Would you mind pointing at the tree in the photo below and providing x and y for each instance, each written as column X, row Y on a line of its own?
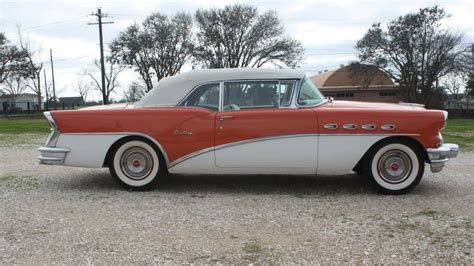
column 83, row 88
column 112, row 72
column 156, row 48
column 416, row 51
column 33, row 67
column 13, row 84
column 238, row 36
column 12, row 59
column 134, row 92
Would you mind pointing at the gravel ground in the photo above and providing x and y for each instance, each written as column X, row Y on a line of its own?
column 52, row 214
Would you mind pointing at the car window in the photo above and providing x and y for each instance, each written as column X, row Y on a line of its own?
column 206, row 96
column 286, row 91
column 309, row 94
column 250, row 95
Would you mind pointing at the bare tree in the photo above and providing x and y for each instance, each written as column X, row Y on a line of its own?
column 454, row 85
column 134, row 92
column 14, row 84
column 416, row 51
column 112, row 72
column 34, row 66
column 83, row 88
column 238, row 36
column 156, row 48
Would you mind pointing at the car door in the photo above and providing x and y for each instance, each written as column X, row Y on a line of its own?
column 256, row 127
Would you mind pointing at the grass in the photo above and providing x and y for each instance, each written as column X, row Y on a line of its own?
column 20, row 126
column 460, row 131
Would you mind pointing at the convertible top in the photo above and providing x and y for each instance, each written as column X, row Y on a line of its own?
column 171, row 90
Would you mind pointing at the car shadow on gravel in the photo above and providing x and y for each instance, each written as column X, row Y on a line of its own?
column 300, row 186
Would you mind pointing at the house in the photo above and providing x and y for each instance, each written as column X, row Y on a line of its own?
column 71, row 100
column 357, row 82
column 19, row 102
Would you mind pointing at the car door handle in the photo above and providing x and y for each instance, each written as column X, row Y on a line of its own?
column 224, row 117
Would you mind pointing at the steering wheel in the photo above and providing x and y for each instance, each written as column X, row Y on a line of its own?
column 230, row 107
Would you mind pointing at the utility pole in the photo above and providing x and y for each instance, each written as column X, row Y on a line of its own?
column 46, row 90
column 99, row 16
column 52, row 74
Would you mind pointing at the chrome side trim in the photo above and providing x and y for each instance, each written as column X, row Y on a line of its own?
column 331, row 126
column 189, row 156
column 127, row 134
column 228, row 145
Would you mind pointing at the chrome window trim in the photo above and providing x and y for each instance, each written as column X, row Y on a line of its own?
column 191, row 92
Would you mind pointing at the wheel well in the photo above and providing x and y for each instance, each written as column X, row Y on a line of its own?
column 120, row 141
column 415, row 142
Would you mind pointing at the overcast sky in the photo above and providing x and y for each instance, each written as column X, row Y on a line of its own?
column 327, row 29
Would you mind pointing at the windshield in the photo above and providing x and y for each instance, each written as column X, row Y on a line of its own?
column 309, row 94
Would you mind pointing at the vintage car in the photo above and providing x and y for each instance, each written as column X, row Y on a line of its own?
column 249, row 121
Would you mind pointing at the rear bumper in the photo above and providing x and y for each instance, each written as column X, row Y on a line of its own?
column 52, row 156
column 439, row 156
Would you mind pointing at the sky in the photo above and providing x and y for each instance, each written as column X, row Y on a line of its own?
column 328, row 29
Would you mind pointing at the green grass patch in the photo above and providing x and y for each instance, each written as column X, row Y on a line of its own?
column 21, row 126
column 460, row 131
column 19, row 182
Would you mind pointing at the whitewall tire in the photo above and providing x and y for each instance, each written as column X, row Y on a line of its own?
column 395, row 167
column 136, row 164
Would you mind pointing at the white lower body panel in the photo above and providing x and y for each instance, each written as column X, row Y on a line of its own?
column 87, row 150
column 339, row 154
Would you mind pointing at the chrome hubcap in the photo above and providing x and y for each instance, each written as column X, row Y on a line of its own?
column 136, row 163
column 394, row 166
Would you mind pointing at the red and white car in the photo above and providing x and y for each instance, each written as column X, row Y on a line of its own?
column 249, row 121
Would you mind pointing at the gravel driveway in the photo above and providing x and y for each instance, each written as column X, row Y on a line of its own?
column 53, row 214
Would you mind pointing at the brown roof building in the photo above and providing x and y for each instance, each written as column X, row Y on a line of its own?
column 357, row 82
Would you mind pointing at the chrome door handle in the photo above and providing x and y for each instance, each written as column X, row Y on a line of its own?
column 224, row 117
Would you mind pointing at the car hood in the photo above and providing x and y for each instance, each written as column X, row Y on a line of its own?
column 373, row 105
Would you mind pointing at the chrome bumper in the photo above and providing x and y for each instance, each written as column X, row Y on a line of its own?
column 52, row 156
column 439, row 156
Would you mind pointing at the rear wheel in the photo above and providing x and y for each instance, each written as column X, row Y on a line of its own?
column 395, row 167
column 136, row 164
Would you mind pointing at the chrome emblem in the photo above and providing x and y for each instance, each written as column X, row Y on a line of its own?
column 182, row 132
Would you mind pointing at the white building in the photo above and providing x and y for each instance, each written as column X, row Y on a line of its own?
column 18, row 102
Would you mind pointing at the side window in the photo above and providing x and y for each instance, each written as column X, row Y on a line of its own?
column 206, row 96
column 250, row 95
column 286, row 91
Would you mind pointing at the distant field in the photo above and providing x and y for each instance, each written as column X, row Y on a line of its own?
column 460, row 131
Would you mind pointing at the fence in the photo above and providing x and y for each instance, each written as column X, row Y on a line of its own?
column 29, row 109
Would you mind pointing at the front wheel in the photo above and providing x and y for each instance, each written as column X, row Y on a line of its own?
column 136, row 165
column 395, row 167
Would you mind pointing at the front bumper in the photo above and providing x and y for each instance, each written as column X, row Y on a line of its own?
column 439, row 156
column 52, row 156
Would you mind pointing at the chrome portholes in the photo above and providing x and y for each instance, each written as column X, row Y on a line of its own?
column 388, row 127
column 330, row 126
column 136, row 163
column 350, row 126
column 368, row 127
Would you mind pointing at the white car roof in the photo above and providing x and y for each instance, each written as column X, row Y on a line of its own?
column 171, row 90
